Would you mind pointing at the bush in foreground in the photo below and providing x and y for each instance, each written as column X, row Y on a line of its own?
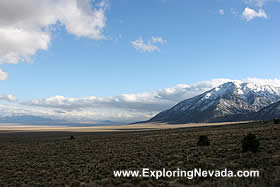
column 203, row 141
column 250, row 143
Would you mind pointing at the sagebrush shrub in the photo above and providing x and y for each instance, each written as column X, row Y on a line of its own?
column 72, row 137
column 203, row 141
column 250, row 143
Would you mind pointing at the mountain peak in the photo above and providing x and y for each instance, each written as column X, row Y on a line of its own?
column 230, row 99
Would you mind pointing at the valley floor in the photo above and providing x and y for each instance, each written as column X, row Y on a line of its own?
column 53, row 159
column 14, row 127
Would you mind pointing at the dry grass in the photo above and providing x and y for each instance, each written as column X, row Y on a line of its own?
column 52, row 159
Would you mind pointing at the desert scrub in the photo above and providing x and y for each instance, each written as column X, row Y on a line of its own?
column 250, row 143
column 72, row 137
column 203, row 141
column 276, row 121
column 91, row 158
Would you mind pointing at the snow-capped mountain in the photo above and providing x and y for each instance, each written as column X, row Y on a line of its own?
column 232, row 101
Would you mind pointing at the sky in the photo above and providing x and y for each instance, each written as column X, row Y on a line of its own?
column 127, row 60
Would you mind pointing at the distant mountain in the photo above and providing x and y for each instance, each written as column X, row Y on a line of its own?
column 232, row 101
column 37, row 120
column 270, row 112
column 26, row 119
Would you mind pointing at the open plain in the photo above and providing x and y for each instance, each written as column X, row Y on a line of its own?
column 49, row 157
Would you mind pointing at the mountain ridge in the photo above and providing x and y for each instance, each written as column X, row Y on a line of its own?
column 270, row 112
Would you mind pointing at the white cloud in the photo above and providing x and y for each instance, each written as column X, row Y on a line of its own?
column 149, row 46
column 128, row 102
column 3, row 75
column 18, row 44
column 81, row 20
column 9, row 98
column 250, row 14
column 222, row 12
column 25, row 25
column 141, row 46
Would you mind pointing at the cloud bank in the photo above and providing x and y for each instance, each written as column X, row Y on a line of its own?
column 140, row 102
column 124, row 107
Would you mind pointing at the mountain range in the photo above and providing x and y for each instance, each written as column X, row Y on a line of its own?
column 232, row 101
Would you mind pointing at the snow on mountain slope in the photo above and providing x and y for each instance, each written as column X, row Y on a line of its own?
column 227, row 102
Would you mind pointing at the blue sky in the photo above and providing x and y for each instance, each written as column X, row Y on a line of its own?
column 194, row 41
